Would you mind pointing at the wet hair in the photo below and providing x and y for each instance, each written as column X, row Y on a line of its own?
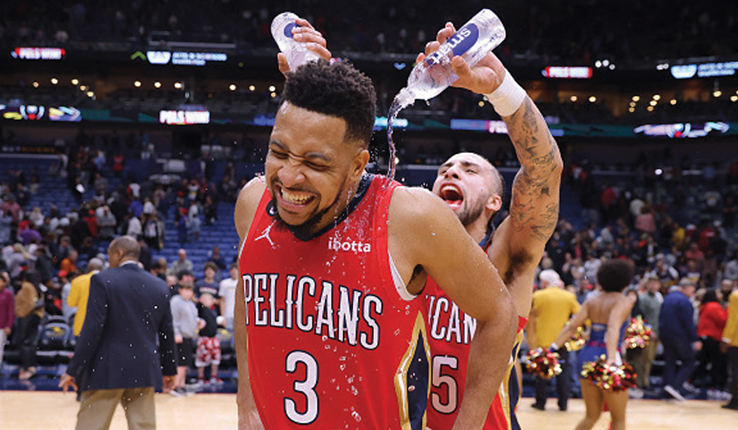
column 337, row 90
column 710, row 295
column 615, row 275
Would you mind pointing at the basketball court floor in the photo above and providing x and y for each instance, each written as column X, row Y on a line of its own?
column 51, row 410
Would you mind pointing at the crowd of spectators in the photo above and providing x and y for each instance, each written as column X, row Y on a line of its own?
column 575, row 31
column 45, row 251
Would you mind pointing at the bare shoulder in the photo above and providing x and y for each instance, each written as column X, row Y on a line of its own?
column 246, row 205
column 414, row 204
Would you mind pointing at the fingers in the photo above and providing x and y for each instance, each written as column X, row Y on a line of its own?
column 304, row 35
column 460, row 66
column 303, row 23
column 431, row 47
column 282, row 62
column 447, row 31
column 320, row 50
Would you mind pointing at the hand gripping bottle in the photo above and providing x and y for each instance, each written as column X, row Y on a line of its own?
column 297, row 53
column 473, row 41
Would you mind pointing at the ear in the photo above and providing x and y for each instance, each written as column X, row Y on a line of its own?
column 359, row 163
column 494, row 203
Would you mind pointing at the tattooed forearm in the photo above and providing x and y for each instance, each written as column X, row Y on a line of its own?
column 546, row 224
column 535, row 147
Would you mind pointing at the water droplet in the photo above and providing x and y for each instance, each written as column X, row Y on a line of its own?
column 356, row 416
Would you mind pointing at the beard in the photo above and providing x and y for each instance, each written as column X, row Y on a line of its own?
column 470, row 214
column 306, row 230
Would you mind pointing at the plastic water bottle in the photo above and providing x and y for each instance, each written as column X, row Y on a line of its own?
column 483, row 33
column 297, row 53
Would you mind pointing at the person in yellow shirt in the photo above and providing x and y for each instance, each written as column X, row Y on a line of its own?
column 730, row 346
column 551, row 309
column 80, row 292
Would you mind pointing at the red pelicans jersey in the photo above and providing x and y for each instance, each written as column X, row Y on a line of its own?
column 450, row 332
column 334, row 339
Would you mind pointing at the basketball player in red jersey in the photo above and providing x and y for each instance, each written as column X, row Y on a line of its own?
column 329, row 331
column 474, row 190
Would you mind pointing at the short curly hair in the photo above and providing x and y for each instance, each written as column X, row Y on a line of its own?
column 337, row 90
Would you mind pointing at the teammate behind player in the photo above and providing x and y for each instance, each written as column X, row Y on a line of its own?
column 474, row 190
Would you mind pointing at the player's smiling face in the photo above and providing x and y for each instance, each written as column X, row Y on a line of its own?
column 464, row 183
column 310, row 167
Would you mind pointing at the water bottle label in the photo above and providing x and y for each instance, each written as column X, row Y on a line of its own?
column 288, row 29
column 459, row 43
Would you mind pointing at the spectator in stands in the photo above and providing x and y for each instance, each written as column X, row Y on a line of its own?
column 79, row 293
column 184, row 319
column 665, row 273
column 29, row 309
column 136, row 207
column 69, row 263
column 44, row 265
column 148, row 207
column 208, row 345
column 159, row 268
column 730, row 270
column 79, row 230
column 710, row 328
column 208, row 285
column 131, row 226
column 153, row 231
column 6, row 221
column 227, row 293
column 215, row 257
column 101, row 183
column 194, row 224
column 679, row 337
column 106, row 223
column 17, row 260
column 68, row 312
column 646, row 221
column 145, row 257
column 181, row 264
column 11, row 206
column 182, row 227
column 7, row 311
column 118, row 164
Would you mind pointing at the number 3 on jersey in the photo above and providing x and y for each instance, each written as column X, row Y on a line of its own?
column 305, row 388
column 439, row 379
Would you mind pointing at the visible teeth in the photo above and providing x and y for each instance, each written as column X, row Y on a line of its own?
column 450, row 188
column 295, row 197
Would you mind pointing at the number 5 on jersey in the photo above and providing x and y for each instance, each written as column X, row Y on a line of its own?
column 439, row 379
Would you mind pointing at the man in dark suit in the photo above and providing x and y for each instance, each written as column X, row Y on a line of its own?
column 126, row 343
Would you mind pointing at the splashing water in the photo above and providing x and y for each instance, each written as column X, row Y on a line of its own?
column 391, row 117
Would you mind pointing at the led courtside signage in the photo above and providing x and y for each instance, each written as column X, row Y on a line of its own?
column 31, row 53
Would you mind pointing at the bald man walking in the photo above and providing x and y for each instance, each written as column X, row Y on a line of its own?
column 126, row 343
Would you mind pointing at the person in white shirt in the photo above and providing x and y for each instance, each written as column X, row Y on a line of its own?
column 227, row 292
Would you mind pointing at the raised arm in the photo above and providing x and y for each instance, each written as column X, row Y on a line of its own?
column 425, row 233
column 521, row 238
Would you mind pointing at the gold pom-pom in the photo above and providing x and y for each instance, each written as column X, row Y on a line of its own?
column 543, row 363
